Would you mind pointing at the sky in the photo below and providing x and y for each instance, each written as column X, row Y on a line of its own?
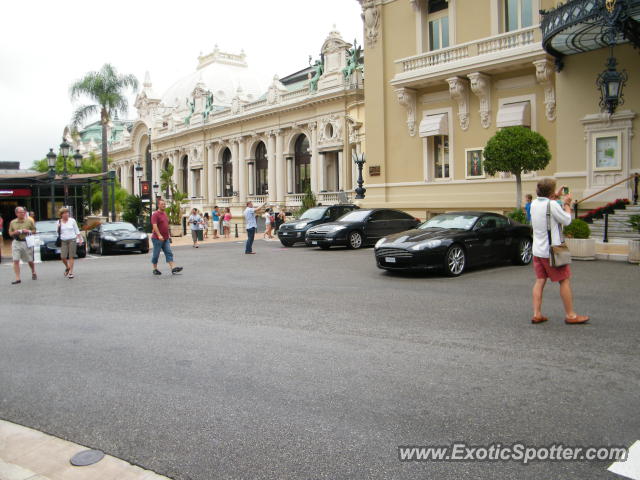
column 46, row 45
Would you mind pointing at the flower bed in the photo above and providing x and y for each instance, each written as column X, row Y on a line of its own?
column 599, row 212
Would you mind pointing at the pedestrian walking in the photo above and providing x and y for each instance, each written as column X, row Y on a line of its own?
column 195, row 222
column 268, row 225
column 215, row 224
column 32, row 217
column 226, row 223
column 20, row 229
column 251, row 225
column 70, row 237
column 527, row 207
column 161, row 239
column 205, row 225
column 1, row 236
column 281, row 218
column 547, row 219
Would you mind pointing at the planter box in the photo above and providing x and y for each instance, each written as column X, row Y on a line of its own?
column 634, row 251
column 582, row 248
column 176, row 230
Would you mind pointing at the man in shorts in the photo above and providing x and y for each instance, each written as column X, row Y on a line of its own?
column 19, row 229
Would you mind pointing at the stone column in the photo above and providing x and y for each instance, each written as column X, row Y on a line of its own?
column 236, row 165
column 322, row 184
column 271, row 166
column 341, row 172
column 314, row 156
column 219, row 180
column 251, row 166
column 280, row 168
column 242, row 173
column 290, row 174
column 211, row 175
column 176, row 170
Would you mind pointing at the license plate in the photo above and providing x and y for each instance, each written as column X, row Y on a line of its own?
column 129, row 245
column 314, row 243
column 284, row 234
column 57, row 250
column 390, row 259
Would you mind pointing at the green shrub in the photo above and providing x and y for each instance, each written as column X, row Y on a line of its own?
column 634, row 222
column 518, row 215
column 308, row 201
column 577, row 229
column 132, row 209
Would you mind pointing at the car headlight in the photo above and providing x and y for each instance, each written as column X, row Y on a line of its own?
column 336, row 228
column 110, row 238
column 380, row 242
column 143, row 236
column 300, row 225
column 427, row 244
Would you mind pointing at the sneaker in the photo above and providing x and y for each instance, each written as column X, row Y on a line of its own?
column 176, row 270
column 157, row 272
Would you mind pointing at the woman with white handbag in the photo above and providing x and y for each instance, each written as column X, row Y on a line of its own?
column 551, row 258
column 70, row 237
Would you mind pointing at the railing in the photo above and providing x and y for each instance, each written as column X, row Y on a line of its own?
column 335, row 197
column 223, row 201
column 294, row 94
column 485, row 46
column 257, row 199
column 294, row 199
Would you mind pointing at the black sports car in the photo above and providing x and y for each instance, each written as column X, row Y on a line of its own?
column 360, row 227
column 453, row 241
column 294, row 232
column 48, row 233
column 117, row 237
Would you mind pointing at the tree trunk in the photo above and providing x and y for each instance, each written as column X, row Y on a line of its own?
column 105, row 190
column 518, row 190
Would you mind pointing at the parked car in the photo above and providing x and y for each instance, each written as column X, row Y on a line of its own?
column 117, row 237
column 453, row 241
column 360, row 227
column 48, row 233
column 293, row 232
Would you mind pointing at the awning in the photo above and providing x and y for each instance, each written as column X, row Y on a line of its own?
column 514, row 114
column 434, row 125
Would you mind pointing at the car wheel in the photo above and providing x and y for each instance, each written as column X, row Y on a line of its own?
column 324, row 247
column 524, row 254
column 100, row 248
column 286, row 244
column 144, row 250
column 455, row 260
column 354, row 240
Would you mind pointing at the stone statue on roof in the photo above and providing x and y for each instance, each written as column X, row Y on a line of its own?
column 208, row 105
column 353, row 62
column 192, row 107
column 318, row 68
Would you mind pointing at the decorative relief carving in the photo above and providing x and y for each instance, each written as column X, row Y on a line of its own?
column 330, row 129
column 544, row 72
column 459, row 91
column 481, row 87
column 407, row 98
column 371, row 18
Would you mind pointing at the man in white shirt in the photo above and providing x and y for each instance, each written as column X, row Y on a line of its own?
column 547, row 195
column 251, row 225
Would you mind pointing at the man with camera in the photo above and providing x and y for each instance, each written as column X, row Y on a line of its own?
column 19, row 229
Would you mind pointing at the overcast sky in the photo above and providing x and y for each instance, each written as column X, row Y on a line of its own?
column 46, row 45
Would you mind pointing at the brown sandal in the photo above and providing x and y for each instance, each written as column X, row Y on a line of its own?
column 540, row 319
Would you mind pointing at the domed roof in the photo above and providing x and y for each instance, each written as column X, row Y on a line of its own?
column 222, row 74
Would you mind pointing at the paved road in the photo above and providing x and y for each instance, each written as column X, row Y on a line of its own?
column 305, row 364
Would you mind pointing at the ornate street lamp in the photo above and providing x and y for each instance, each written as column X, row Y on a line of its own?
column 52, row 158
column 51, row 163
column 77, row 160
column 611, row 83
column 156, row 191
column 359, row 161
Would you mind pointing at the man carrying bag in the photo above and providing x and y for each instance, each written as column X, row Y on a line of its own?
column 551, row 258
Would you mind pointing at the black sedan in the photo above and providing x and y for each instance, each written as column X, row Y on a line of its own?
column 47, row 231
column 117, row 237
column 360, row 227
column 293, row 232
column 454, row 241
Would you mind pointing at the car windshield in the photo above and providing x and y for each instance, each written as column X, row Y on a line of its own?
column 111, row 227
column 355, row 216
column 313, row 214
column 46, row 227
column 450, row 220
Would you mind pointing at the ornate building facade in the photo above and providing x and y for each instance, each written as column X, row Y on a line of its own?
column 230, row 140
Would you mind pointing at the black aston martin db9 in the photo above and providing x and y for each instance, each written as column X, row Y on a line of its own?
column 117, row 237
column 454, row 241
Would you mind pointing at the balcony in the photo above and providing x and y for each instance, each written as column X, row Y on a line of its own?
column 519, row 47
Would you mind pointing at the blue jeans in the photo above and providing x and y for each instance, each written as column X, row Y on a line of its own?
column 165, row 246
column 251, row 233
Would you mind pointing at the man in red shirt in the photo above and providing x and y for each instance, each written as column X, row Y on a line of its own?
column 161, row 239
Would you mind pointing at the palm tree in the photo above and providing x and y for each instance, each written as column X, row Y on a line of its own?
column 106, row 88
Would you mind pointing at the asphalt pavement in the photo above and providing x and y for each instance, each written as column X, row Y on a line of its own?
column 298, row 363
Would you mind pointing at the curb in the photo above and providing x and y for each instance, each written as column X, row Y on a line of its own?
column 27, row 454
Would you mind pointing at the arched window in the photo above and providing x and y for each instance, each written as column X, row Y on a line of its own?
column 227, row 174
column 262, row 165
column 302, row 165
column 184, row 175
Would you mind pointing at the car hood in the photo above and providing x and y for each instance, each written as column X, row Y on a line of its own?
column 411, row 237
column 123, row 234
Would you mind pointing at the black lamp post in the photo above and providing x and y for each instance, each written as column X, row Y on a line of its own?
column 359, row 161
column 156, row 191
column 51, row 163
column 52, row 158
column 611, row 82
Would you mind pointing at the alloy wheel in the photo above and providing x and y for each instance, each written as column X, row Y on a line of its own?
column 526, row 252
column 355, row 240
column 456, row 260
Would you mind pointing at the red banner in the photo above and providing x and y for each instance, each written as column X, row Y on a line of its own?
column 15, row 192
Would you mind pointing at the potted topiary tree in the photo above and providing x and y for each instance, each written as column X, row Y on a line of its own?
column 577, row 239
column 634, row 244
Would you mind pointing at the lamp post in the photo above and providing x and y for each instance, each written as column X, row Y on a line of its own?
column 52, row 158
column 359, row 161
column 156, row 190
column 611, row 82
